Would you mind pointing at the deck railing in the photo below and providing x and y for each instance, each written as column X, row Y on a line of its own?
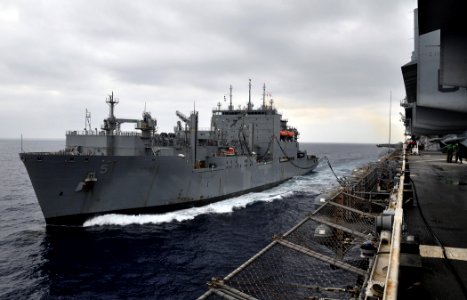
column 103, row 133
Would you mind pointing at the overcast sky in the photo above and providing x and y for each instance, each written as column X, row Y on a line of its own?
column 329, row 65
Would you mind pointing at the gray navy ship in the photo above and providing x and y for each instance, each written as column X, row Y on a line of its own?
column 112, row 171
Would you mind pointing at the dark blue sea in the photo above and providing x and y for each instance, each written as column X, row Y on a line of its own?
column 167, row 256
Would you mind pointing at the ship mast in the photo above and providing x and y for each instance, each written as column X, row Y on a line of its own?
column 111, row 123
column 264, row 95
column 230, row 105
column 390, row 106
column 194, row 137
column 249, row 95
column 112, row 102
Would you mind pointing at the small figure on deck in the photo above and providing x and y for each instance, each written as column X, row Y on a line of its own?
column 409, row 146
column 458, row 152
column 450, row 151
column 415, row 148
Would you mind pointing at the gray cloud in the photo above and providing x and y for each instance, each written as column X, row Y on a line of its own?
column 56, row 58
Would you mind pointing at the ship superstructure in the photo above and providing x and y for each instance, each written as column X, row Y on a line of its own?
column 111, row 171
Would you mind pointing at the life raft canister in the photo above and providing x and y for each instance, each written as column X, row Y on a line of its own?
column 230, row 151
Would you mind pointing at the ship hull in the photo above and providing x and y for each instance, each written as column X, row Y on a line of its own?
column 78, row 220
column 144, row 184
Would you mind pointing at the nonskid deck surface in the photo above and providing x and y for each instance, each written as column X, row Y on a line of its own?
column 441, row 190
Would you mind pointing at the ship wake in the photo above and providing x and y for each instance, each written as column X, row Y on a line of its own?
column 296, row 186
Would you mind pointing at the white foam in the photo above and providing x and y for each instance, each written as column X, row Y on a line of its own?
column 287, row 189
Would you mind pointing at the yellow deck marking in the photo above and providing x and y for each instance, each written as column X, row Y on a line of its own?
column 427, row 160
column 437, row 252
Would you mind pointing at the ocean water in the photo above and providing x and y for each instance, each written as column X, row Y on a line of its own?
column 165, row 256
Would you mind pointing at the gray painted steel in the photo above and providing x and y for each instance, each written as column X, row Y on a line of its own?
column 113, row 171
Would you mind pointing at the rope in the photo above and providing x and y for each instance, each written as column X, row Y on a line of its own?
column 267, row 149
column 341, row 181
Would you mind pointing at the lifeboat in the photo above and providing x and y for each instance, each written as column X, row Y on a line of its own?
column 291, row 134
column 284, row 133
